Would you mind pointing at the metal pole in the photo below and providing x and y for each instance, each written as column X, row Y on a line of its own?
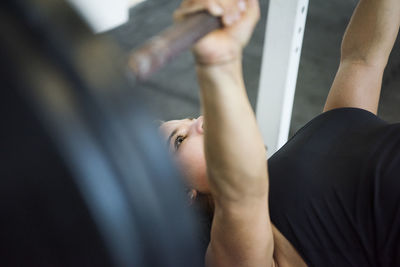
column 282, row 49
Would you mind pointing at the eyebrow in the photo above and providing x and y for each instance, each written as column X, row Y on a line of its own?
column 174, row 132
column 170, row 136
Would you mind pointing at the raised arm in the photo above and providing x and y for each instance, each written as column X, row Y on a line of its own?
column 241, row 232
column 366, row 47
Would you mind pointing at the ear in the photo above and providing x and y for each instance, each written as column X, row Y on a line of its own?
column 192, row 194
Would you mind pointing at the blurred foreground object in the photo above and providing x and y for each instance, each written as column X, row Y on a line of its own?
column 103, row 15
column 85, row 179
column 179, row 37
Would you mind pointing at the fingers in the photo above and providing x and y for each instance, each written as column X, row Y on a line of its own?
column 188, row 7
column 238, row 16
column 242, row 31
column 232, row 10
column 229, row 10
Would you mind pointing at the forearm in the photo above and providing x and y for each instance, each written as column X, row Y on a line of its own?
column 234, row 148
column 372, row 31
column 241, row 233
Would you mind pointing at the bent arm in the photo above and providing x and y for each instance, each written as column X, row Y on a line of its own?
column 241, row 233
column 366, row 47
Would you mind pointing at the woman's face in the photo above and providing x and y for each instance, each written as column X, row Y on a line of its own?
column 185, row 140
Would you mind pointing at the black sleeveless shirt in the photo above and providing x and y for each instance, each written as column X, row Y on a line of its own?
column 335, row 190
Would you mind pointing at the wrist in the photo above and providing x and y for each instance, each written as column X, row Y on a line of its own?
column 213, row 57
column 231, row 65
column 218, row 63
column 221, row 69
column 221, row 76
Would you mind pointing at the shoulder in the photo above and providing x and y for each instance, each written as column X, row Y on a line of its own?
column 344, row 118
column 336, row 126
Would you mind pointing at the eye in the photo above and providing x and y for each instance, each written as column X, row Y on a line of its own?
column 178, row 141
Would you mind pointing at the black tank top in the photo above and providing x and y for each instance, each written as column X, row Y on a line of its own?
column 335, row 190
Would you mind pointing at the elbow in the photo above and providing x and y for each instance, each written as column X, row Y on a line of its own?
column 241, row 186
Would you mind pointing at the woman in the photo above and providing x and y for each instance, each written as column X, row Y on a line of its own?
column 333, row 191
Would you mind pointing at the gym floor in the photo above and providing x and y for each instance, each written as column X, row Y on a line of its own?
column 172, row 93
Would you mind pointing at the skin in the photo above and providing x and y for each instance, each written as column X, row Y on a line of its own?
column 366, row 46
column 214, row 151
column 186, row 144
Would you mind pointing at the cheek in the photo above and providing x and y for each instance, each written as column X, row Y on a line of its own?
column 192, row 162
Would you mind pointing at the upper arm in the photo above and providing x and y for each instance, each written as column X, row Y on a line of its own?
column 357, row 84
column 365, row 50
column 241, row 235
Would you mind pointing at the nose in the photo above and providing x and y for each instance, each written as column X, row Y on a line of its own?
column 198, row 125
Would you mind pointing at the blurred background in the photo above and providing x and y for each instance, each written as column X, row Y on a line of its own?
column 173, row 92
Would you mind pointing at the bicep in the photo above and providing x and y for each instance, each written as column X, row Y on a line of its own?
column 356, row 85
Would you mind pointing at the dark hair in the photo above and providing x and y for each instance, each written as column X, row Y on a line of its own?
column 204, row 207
